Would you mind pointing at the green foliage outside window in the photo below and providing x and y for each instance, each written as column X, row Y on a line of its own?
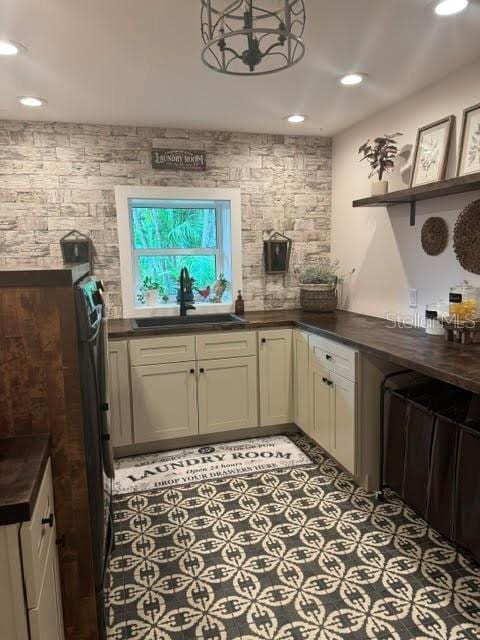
column 154, row 229
column 174, row 228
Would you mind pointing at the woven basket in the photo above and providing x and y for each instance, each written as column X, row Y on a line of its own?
column 318, row 297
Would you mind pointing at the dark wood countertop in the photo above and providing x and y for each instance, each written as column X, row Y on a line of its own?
column 22, row 464
column 411, row 348
column 31, row 276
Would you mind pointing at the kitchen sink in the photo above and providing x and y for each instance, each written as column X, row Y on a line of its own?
column 223, row 319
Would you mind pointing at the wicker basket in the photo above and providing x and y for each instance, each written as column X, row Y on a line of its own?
column 318, row 297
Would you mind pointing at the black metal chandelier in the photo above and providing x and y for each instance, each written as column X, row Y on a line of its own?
column 252, row 37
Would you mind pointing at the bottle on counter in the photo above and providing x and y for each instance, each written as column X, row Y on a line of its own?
column 239, row 304
column 463, row 302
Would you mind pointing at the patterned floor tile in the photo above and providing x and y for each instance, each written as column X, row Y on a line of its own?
column 295, row 554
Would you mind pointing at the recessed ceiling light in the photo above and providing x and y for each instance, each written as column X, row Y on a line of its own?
column 450, row 7
column 351, row 79
column 296, row 119
column 10, row 48
column 31, row 101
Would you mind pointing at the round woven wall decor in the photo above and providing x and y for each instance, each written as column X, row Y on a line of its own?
column 466, row 238
column 434, row 236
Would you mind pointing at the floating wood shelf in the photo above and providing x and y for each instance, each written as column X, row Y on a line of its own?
column 424, row 192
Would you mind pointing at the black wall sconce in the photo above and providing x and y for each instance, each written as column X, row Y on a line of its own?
column 277, row 250
column 77, row 248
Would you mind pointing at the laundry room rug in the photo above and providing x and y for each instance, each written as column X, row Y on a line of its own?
column 208, row 462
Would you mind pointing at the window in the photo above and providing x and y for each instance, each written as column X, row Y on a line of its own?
column 166, row 234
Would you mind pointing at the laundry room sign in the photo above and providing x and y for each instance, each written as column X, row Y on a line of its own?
column 179, row 160
column 196, row 464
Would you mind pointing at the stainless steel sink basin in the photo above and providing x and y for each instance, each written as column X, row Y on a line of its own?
column 223, row 319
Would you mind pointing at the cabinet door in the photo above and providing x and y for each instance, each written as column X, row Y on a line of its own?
column 119, row 394
column 46, row 621
column 164, row 401
column 343, row 420
column 320, row 404
column 227, row 394
column 300, row 380
column 276, row 385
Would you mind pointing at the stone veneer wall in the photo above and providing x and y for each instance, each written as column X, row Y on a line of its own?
column 55, row 177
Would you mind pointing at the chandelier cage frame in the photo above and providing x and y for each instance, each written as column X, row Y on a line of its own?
column 264, row 34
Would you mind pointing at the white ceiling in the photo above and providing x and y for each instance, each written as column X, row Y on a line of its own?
column 137, row 62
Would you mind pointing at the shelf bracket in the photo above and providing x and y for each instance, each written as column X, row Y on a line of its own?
column 413, row 212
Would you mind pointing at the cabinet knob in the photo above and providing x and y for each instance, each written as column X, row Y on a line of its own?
column 202, row 370
column 328, row 357
column 48, row 521
column 192, row 370
column 264, row 340
column 325, row 380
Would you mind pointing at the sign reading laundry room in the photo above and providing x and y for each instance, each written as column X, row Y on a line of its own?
column 209, row 462
column 179, row 160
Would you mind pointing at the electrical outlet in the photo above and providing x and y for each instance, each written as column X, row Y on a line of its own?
column 413, row 298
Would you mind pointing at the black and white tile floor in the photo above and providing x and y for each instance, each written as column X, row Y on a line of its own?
column 299, row 554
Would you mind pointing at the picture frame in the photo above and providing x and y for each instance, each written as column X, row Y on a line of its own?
column 469, row 150
column 431, row 152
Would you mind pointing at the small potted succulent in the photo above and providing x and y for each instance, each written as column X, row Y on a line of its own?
column 380, row 155
column 221, row 285
column 318, row 286
column 150, row 291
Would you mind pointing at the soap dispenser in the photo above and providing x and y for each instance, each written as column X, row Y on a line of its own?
column 239, row 304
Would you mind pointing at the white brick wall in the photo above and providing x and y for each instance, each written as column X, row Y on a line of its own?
column 58, row 176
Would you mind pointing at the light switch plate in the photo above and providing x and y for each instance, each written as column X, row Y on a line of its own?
column 413, row 298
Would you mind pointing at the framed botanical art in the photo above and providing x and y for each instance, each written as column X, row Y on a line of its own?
column 431, row 152
column 469, row 154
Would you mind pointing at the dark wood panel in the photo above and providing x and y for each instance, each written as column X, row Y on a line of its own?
column 412, row 348
column 22, row 465
column 40, row 393
column 449, row 187
column 30, row 276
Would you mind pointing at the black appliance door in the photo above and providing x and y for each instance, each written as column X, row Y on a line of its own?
column 99, row 462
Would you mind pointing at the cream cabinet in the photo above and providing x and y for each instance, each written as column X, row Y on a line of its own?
column 300, row 380
column 216, row 390
column 333, row 399
column 30, row 596
column 119, row 401
column 276, row 380
column 164, row 401
column 227, row 394
column 319, row 423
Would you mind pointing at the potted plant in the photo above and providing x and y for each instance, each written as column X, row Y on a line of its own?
column 380, row 155
column 221, row 285
column 318, row 286
column 150, row 291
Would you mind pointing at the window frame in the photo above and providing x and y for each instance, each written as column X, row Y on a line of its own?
column 186, row 197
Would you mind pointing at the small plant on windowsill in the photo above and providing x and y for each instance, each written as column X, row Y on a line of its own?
column 318, row 286
column 380, row 155
column 150, row 292
column 221, row 285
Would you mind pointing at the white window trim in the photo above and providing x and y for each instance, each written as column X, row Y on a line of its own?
column 125, row 193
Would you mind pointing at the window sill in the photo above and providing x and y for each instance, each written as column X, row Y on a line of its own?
column 201, row 308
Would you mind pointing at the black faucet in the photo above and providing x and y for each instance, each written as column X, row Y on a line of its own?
column 184, row 306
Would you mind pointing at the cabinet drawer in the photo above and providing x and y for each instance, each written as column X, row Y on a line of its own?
column 36, row 537
column 335, row 357
column 162, row 350
column 226, row 345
